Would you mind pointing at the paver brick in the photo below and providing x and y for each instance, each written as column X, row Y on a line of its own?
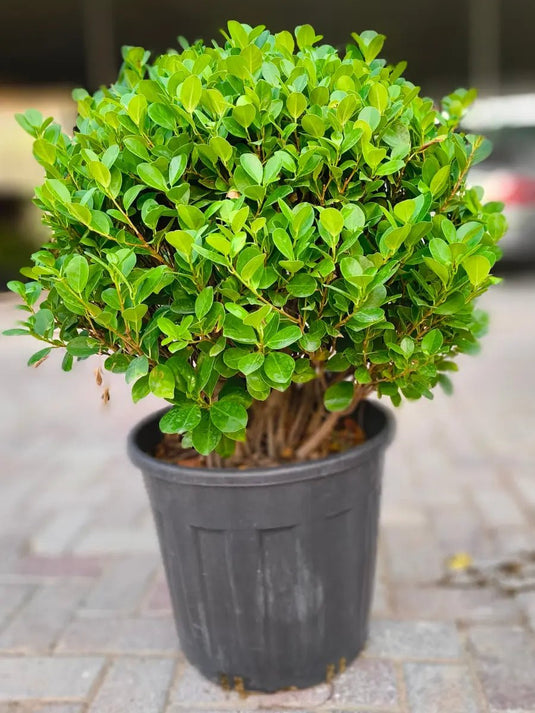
column 56, row 537
column 418, row 640
column 134, row 686
column 498, row 508
column 440, row 688
column 39, row 623
column 118, row 541
column 505, row 664
column 13, row 596
column 120, row 635
column 366, row 682
column 38, row 708
column 121, row 587
column 413, row 554
column 465, row 606
column 45, row 677
column 59, row 566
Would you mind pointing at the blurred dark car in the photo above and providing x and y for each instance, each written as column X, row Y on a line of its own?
column 508, row 175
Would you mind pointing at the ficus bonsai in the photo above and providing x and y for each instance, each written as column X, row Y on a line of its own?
column 262, row 233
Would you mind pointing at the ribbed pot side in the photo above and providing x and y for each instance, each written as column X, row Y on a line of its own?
column 270, row 571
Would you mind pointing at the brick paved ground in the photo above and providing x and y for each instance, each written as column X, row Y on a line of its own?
column 85, row 624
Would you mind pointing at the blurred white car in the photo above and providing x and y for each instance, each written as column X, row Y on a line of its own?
column 508, row 175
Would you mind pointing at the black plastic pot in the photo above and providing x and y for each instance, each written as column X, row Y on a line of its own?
column 270, row 570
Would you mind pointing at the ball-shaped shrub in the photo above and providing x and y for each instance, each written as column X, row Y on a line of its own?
column 265, row 230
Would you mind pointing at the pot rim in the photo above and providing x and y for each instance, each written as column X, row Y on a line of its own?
column 273, row 475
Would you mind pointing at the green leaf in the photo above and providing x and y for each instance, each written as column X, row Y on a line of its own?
column 177, row 166
column 204, row 302
column 477, row 268
column 440, row 250
column 152, row 176
column 181, row 240
column 59, row 190
column 43, row 322
column 305, row 36
column 228, row 415
column 252, row 165
column 407, row 346
column 283, row 243
column 250, row 362
column 190, row 93
column 83, row 347
column 313, row 125
column 284, row 337
column 279, row 367
column 251, row 267
column 181, row 418
column 138, row 367
column 163, row 116
column 205, row 436
column 244, row 114
column 219, row 243
column 162, row 382
column 77, row 273
column 44, row 151
column 332, row 220
column 346, row 108
column 405, row 210
column 338, row 397
column 302, row 285
column 390, row 167
column 137, row 146
column 440, row 181
column 140, row 389
column 432, row 342
column 39, row 356
column 100, row 173
column 296, row 103
column 191, row 216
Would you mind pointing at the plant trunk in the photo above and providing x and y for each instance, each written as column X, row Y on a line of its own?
column 290, row 425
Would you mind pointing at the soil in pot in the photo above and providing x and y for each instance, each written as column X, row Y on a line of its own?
column 288, row 427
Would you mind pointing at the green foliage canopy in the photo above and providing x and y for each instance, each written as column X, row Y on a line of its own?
column 235, row 218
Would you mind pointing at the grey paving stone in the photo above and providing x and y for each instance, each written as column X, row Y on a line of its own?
column 505, row 663
column 367, row 682
column 134, row 686
column 118, row 541
column 465, row 606
column 418, row 639
column 47, row 566
column 440, row 688
column 413, row 554
column 40, row 708
column 192, row 689
column 42, row 677
column 120, row 635
column 158, row 598
column 498, row 508
column 458, row 529
column 526, row 601
column 57, row 535
column 524, row 481
column 121, row 588
column 13, row 596
column 38, row 624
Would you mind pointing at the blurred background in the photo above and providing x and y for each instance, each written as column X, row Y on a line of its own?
column 50, row 48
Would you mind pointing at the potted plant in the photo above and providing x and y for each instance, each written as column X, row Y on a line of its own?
column 262, row 234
